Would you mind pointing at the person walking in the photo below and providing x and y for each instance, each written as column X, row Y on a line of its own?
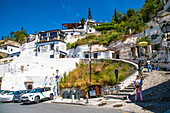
column 138, row 87
column 149, row 65
column 140, row 68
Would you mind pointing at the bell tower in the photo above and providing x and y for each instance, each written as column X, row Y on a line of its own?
column 89, row 17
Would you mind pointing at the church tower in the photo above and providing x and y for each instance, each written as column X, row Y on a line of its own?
column 89, row 17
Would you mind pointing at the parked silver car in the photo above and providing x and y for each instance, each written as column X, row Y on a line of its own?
column 7, row 96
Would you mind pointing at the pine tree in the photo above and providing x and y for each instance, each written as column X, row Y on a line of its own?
column 115, row 17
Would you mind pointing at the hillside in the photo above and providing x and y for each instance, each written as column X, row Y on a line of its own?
column 102, row 73
column 123, row 25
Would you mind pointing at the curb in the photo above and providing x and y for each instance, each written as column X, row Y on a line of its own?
column 70, row 103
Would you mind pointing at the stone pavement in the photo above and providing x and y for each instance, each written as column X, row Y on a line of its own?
column 156, row 98
column 124, row 105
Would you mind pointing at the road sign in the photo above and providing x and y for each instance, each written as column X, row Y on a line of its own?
column 57, row 77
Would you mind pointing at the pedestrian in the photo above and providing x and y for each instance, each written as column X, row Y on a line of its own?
column 140, row 67
column 55, row 91
column 138, row 87
column 149, row 65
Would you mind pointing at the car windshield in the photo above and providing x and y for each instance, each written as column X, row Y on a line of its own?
column 35, row 90
column 7, row 92
column 11, row 92
column 1, row 91
column 18, row 92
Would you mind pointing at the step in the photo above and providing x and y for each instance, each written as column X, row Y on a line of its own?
column 131, row 85
column 125, row 94
column 127, row 90
column 116, row 97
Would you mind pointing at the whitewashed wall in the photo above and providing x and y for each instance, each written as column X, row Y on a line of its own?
column 36, row 70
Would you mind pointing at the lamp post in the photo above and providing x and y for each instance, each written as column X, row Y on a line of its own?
column 90, row 65
column 57, row 77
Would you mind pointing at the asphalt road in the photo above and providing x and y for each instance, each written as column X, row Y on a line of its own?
column 47, row 107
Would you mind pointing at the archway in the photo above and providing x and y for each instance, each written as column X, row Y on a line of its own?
column 29, row 86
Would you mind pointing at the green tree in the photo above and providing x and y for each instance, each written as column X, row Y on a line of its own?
column 150, row 8
column 130, row 12
column 20, row 36
column 115, row 17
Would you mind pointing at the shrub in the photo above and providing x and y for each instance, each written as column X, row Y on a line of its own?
column 102, row 60
column 102, row 74
column 1, row 57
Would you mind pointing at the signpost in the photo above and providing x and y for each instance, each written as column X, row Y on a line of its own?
column 57, row 77
column 116, row 74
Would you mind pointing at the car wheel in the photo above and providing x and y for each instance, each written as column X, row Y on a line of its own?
column 37, row 99
column 51, row 96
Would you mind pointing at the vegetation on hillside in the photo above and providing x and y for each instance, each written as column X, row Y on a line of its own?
column 102, row 74
column 18, row 36
column 121, row 24
column 150, row 9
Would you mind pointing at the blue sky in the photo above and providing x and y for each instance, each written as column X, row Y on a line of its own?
column 43, row 15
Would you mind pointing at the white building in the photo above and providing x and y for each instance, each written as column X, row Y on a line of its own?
column 97, row 51
column 51, row 44
column 75, row 31
column 10, row 50
column 31, row 72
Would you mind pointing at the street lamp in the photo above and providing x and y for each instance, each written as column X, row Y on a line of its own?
column 57, row 77
column 90, row 64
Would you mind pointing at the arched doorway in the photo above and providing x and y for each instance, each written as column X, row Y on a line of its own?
column 29, row 86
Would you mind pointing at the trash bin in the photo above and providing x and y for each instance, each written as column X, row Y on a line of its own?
column 64, row 94
column 78, row 95
column 69, row 94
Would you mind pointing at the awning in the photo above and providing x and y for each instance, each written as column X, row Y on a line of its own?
column 143, row 44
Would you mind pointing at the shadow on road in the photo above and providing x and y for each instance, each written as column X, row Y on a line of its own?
column 156, row 99
column 32, row 103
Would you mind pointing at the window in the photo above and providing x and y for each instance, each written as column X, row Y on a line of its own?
column 95, row 55
column 43, row 34
column 113, row 55
column 11, row 49
column 52, row 46
column 86, row 56
column 89, row 30
column 71, row 33
column 53, row 34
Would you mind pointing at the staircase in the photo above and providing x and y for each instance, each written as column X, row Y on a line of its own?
column 123, row 94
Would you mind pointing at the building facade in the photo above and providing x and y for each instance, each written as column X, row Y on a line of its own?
column 51, row 44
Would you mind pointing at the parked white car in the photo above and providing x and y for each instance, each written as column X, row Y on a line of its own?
column 7, row 96
column 37, row 95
